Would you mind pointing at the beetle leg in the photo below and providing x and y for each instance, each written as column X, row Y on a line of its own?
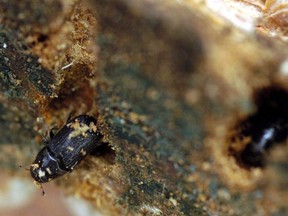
column 51, row 133
column 73, row 166
column 46, row 139
column 72, row 113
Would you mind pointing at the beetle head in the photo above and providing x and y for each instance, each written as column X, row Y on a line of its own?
column 45, row 167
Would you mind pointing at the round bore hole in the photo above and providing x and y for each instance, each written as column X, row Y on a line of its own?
column 259, row 132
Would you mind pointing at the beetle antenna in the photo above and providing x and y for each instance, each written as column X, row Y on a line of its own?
column 39, row 185
column 26, row 168
column 43, row 192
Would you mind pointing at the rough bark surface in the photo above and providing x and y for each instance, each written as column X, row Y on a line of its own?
column 169, row 85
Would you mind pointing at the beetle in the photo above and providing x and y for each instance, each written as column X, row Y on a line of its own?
column 261, row 141
column 264, row 132
column 78, row 137
column 255, row 136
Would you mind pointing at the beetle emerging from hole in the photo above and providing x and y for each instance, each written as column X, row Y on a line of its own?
column 66, row 149
column 260, row 132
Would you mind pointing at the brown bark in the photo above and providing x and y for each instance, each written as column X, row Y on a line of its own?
column 169, row 85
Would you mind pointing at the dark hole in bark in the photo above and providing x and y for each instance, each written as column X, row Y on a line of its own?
column 264, row 129
column 106, row 152
column 42, row 38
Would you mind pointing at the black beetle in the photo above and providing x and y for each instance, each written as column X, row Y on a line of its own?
column 264, row 135
column 68, row 147
column 257, row 134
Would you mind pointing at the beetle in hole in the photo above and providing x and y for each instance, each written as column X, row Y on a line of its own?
column 66, row 149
